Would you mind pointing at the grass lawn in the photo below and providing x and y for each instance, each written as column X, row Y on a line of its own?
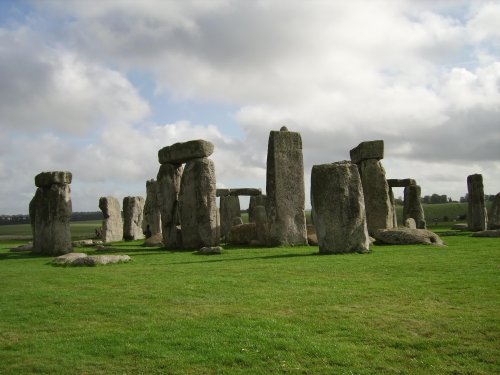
column 399, row 309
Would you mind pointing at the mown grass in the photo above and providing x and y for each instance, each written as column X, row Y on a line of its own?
column 399, row 309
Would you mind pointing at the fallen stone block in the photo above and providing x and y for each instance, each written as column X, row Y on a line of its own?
column 407, row 236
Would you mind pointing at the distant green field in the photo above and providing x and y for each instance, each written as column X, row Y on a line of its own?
column 79, row 230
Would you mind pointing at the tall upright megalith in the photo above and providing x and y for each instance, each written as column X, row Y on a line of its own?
column 477, row 218
column 412, row 206
column 229, row 209
column 152, row 215
column 188, row 195
column 255, row 200
column 169, row 186
column 339, row 210
column 133, row 214
column 50, row 213
column 379, row 209
column 494, row 215
column 112, row 224
column 285, row 201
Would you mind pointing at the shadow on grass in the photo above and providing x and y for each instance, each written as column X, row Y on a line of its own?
column 219, row 259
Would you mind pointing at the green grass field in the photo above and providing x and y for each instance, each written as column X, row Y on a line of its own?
column 399, row 309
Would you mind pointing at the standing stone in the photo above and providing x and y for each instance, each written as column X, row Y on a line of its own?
column 494, row 215
column 393, row 204
column 339, row 208
column 261, row 225
column 285, row 189
column 412, row 207
column 197, row 205
column 112, row 225
column 229, row 209
column 477, row 218
column 255, row 200
column 50, row 213
column 169, row 185
column 152, row 214
column 133, row 211
column 379, row 209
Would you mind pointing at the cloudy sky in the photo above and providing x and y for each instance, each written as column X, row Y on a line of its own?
column 98, row 87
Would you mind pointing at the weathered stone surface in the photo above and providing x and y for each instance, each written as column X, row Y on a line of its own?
column 393, row 205
column 45, row 179
column 243, row 234
column 20, row 248
column 379, row 209
column 81, row 259
column 285, row 189
column 155, row 240
column 487, row 233
column 180, row 153
column 460, row 227
column 339, row 209
column 213, row 250
column 133, row 211
column 86, row 243
column 197, row 205
column 256, row 200
column 229, row 209
column 407, row 236
column 151, row 225
column 396, row 182
column 169, row 185
column 494, row 215
column 112, row 225
column 413, row 207
column 222, row 192
column 477, row 217
column 312, row 238
column 261, row 225
column 50, row 215
column 236, row 221
column 245, row 191
column 367, row 150
column 410, row 223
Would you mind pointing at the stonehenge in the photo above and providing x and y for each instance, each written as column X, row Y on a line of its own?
column 477, row 217
column 379, row 208
column 189, row 212
column 151, row 224
column 412, row 207
column 339, row 208
column 494, row 215
column 133, row 211
column 285, row 190
column 112, row 224
column 50, row 213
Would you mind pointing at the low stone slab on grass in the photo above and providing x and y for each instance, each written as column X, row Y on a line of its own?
column 86, row 243
column 154, row 241
column 82, row 259
column 20, row 248
column 407, row 236
column 460, row 227
column 487, row 233
column 209, row 250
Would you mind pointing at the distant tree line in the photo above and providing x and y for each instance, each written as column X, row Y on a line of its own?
column 25, row 219
column 487, row 198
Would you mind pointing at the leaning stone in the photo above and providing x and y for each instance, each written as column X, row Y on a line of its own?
column 255, row 200
column 20, row 248
column 169, row 185
column 339, row 209
column 222, row 192
column 487, row 233
column 133, row 211
column 378, row 205
column 45, row 179
column 477, row 217
column 197, row 205
column 245, row 191
column 494, row 215
column 242, row 234
column 367, row 150
column 412, row 206
column 285, row 201
column 180, row 153
column 50, row 214
column 229, row 209
column 112, row 224
column 410, row 223
column 395, row 182
column 211, row 250
column 407, row 236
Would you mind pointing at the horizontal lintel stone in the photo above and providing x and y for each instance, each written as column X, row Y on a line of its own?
column 368, row 150
column 46, row 179
column 180, row 153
